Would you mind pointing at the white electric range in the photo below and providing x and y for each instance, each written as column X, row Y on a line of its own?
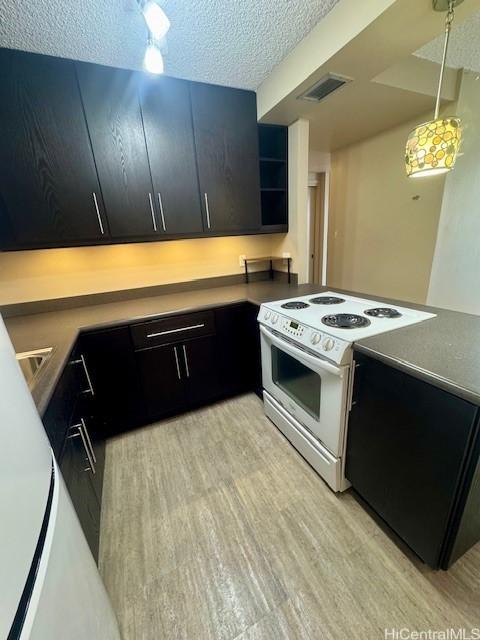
column 308, row 369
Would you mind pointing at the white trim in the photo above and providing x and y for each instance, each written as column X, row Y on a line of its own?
column 325, row 227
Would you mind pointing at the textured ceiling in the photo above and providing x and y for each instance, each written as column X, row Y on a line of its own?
column 232, row 42
column 463, row 48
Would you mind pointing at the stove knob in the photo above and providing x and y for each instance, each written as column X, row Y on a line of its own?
column 315, row 339
column 267, row 314
column 328, row 344
column 275, row 318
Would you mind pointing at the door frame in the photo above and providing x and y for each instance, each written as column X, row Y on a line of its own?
column 318, row 230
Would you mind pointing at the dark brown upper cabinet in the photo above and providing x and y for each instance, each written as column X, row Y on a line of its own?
column 167, row 119
column 94, row 155
column 49, row 191
column 226, row 138
column 112, row 108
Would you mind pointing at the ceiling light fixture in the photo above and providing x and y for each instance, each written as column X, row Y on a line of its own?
column 432, row 147
column 153, row 60
column 157, row 22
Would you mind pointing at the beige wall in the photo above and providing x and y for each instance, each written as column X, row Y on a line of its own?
column 456, row 266
column 53, row 273
column 383, row 225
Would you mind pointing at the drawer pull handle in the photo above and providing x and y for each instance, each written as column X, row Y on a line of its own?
column 164, row 333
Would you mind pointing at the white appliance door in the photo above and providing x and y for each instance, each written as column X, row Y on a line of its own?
column 311, row 389
column 69, row 599
column 25, row 475
column 50, row 588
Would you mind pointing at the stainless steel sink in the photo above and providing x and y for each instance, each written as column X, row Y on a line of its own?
column 32, row 362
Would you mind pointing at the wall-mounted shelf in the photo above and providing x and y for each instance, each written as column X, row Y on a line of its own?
column 271, row 260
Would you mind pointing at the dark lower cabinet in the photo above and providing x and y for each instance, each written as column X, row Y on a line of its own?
column 77, row 472
column 49, row 191
column 408, row 455
column 58, row 416
column 202, row 380
column 161, row 379
column 177, row 376
column 114, row 381
column 85, row 418
column 226, row 139
column 238, row 348
column 78, row 444
column 110, row 362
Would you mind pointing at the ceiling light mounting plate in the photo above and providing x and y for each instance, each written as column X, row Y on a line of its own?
column 442, row 5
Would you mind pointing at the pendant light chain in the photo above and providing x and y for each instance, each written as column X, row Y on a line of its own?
column 448, row 27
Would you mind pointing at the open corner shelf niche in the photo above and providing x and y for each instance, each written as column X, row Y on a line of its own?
column 273, row 149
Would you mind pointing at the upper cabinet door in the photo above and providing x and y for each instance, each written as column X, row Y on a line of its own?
column 226, row 137
column 167, row 118
column 49, row 191
column 112, row 108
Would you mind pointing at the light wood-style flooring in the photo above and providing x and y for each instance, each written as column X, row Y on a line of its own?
column 213, row 527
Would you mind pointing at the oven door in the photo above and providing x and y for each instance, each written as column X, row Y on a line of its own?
column 311, row 389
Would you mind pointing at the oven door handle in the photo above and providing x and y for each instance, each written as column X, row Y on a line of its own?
column 315, row 361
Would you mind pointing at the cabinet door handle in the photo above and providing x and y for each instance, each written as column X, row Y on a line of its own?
column 99, row 217
column 89, row 442
column 81, row 361
column 90, row 386
column 186, row 361
column 152, row 211
column 80, row 433
column 160, row 204
column 178, row 363
column 207, row 210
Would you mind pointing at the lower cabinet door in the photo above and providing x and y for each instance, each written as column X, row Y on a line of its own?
column 84, row 417
column 110, row 363
column 162, row 378
column 238, row 348
column 406, row 449
column 201, row 371
column 77, row 473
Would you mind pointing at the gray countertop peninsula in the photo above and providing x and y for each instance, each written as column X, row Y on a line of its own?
column 443, row 351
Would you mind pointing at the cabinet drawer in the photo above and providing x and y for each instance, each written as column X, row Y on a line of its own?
column 172, row 329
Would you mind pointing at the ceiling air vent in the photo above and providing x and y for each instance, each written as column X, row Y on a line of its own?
column 324, row 87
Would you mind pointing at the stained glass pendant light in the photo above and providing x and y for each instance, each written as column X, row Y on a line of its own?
column 432, row 147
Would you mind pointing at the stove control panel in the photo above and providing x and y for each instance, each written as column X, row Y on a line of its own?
column 293, row 328
column 325, row 345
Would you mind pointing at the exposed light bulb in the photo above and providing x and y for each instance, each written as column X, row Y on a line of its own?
column 153, row 60
column 156, row 20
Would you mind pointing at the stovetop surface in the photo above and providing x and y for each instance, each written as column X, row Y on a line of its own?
column 312, row 315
